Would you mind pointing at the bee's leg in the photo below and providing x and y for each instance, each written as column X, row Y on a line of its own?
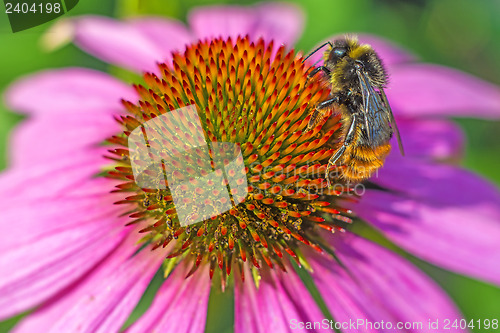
column 328, row 102
column 318, row 109
column 316, row 70
column 332, row 162
column 347, row 141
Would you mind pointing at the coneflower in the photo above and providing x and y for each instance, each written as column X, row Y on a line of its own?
column 212, row 170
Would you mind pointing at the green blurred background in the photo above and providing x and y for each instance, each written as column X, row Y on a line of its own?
column 459, row 33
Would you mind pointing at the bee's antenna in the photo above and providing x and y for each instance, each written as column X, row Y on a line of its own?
column 319, row 48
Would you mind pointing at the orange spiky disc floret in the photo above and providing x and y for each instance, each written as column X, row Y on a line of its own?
column 244, row 94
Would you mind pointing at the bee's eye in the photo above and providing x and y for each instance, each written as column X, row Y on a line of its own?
column 340, row 51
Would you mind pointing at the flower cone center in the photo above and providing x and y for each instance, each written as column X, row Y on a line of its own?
column 258, row 99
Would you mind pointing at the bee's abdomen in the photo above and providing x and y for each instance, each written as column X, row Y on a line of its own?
column 361, row 162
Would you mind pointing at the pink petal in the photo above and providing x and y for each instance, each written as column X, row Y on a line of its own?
column 377, row 285
column 51, row 264
column 440, row 213
column 72, row 225
column 211, row 22
column 168, row 35
column 47, row 213
column 281, row 301
column 46, row 138
column 49, row 242
column 272, row 21
column 390, row 53
column 102, row 300
column 51, row 180
column 428, row 139
column 280, row 22
column 418, row 90
column 180, row 305
column 66, row 91
column 118, row 43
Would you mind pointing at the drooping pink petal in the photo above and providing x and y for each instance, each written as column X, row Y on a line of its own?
column 180, row 305
column 420, row 90
column 281, row 304
column 72, row 111
column 117, row 43
column 47, row 213
column 428, row 139
column 168, row 35
column 273, row 21
column 50, row 180
column 56, row 225
column 248, row 316
column 46, row 138
column 390, row 53
column 377, row 285
column 51, row 264
column 49, row 242
column 69, row 90
column 103, row 299
column 443, row 214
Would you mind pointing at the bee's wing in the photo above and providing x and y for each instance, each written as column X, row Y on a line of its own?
column 377, row 112
column 393, row 122
column 367, row 92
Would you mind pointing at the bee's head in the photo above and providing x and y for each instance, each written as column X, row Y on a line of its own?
column 346, row 55
column 339, row 49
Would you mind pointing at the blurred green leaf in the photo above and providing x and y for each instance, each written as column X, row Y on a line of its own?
column 482, row 147
column 171, row 8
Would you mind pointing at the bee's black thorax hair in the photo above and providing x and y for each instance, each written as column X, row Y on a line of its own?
column 373, row 67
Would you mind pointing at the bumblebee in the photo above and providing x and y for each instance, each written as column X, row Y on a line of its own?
column 357, row 80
